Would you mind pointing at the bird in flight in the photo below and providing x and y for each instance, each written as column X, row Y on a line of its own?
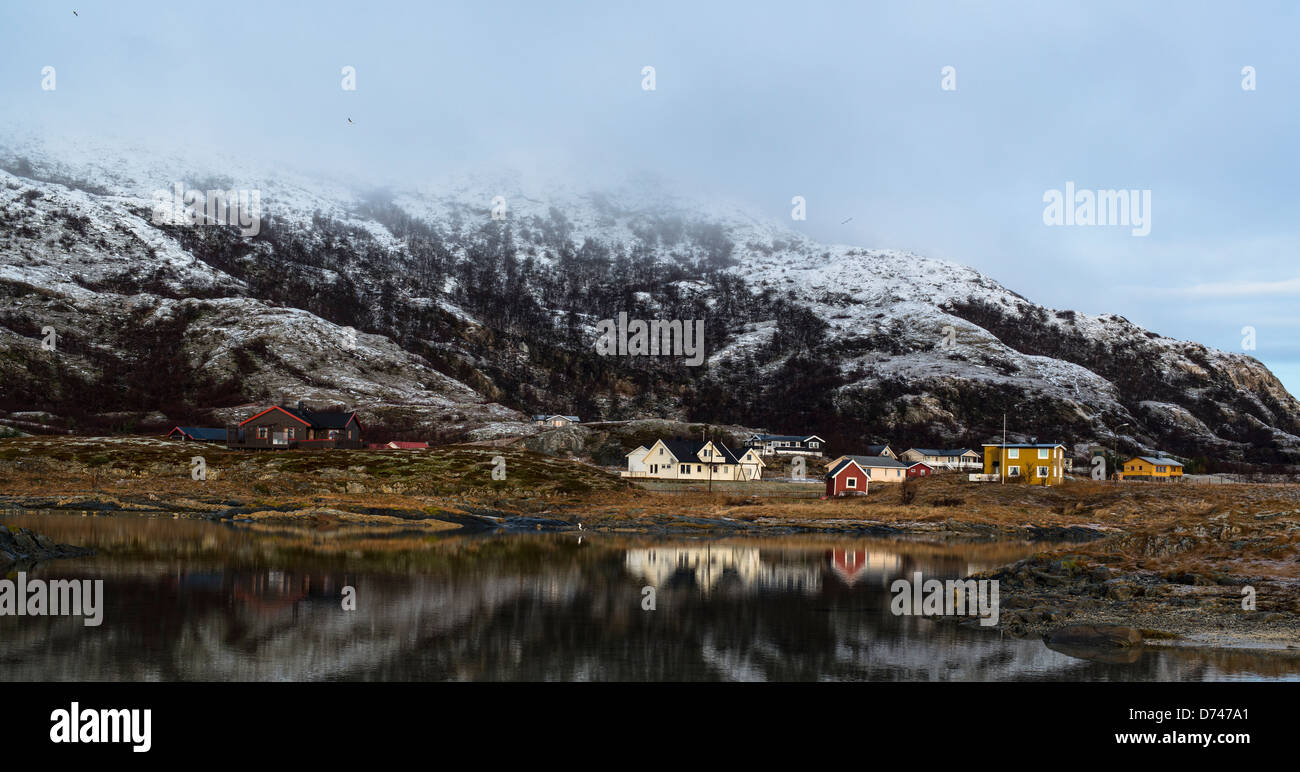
column 74, row 13
column 349, row 120
column 846, row 221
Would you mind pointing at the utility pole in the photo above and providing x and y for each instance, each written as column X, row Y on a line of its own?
column 1002, row 466
column 712, row 450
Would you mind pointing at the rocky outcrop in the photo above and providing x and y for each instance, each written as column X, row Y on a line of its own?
column 1094, row 636
column 25, row 545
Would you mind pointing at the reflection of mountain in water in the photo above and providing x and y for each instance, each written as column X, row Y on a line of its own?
column 543, row 608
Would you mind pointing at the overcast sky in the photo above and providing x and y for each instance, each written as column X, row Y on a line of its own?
column 841, row 103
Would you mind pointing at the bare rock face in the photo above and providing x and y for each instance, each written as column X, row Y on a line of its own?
column 570, row 439
column 24, row 545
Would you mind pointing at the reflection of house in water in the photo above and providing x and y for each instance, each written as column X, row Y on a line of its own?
column 262, row 592
column 710, row 563
column 854, row 566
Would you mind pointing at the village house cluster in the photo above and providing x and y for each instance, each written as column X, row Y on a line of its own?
column 1031, row 463
column 779, row 456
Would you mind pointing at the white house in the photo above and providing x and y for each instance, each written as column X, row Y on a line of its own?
column 689, row 460
column 786, row 444
column 635, row 462
column 556, row 421
column 953, row 458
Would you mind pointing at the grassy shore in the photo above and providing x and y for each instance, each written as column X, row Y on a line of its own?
column 1176, row 559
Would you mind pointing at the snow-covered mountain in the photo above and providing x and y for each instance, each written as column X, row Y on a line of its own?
column 422, row 310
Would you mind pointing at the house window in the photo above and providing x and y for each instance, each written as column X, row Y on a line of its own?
column 261, row 432
column 686, row 468
column 289, row 432
column 852, row 483
column 1042, row 452
column 334, row 434
column 699, row 469
column 1042, row 471
column 1013, row 453
column 1013, row 471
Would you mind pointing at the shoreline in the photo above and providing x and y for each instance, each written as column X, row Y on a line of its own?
column 1171, row 559
column 1037, row 596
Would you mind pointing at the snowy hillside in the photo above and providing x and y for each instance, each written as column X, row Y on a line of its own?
column 422, row 310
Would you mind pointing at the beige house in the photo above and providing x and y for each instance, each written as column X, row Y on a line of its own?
column 878, row 468
column 555, row 421
column 689, row 460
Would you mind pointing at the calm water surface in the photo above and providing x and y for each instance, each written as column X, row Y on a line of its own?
column 195, row 600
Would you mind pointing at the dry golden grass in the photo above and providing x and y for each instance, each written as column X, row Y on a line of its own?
column 1158, row 526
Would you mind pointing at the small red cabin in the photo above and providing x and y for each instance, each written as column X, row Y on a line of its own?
column 920, row 469
column 846, row 479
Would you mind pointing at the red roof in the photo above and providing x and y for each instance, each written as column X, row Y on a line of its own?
column 276, row 407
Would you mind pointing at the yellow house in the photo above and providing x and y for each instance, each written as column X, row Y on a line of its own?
column 1036, row 463
column 1151, row 468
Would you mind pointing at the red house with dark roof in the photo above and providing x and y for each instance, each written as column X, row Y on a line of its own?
column 846, row 478
column 280, row 428
column 919, row 469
